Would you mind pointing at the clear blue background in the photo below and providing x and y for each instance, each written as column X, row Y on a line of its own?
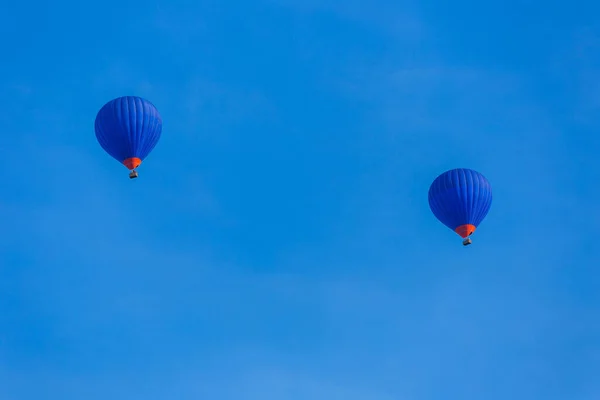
column 278, row 243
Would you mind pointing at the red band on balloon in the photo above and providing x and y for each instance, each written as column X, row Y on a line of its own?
column 465, row 230
column 132, row 163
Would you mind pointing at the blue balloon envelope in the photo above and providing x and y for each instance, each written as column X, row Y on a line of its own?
column 128, row 128
column 461, row 198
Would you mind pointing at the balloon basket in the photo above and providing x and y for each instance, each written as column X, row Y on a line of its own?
column 467, row 242
column 133, row 174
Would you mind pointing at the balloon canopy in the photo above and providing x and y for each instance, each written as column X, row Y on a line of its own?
column 128, row 128
column 460, row 199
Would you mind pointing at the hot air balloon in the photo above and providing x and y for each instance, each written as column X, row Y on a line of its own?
column 460, row 199
column 128, row 128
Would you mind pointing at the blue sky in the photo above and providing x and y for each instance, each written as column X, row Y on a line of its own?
column 278, row 243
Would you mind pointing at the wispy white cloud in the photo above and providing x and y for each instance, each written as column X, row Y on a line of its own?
column 204, row 97
column 123, row 76
column 21, row 89
column 275, row 383
column 192, row 100
column 434, row 96
column 399, row 19
column 576, row 72
column 181, row 28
